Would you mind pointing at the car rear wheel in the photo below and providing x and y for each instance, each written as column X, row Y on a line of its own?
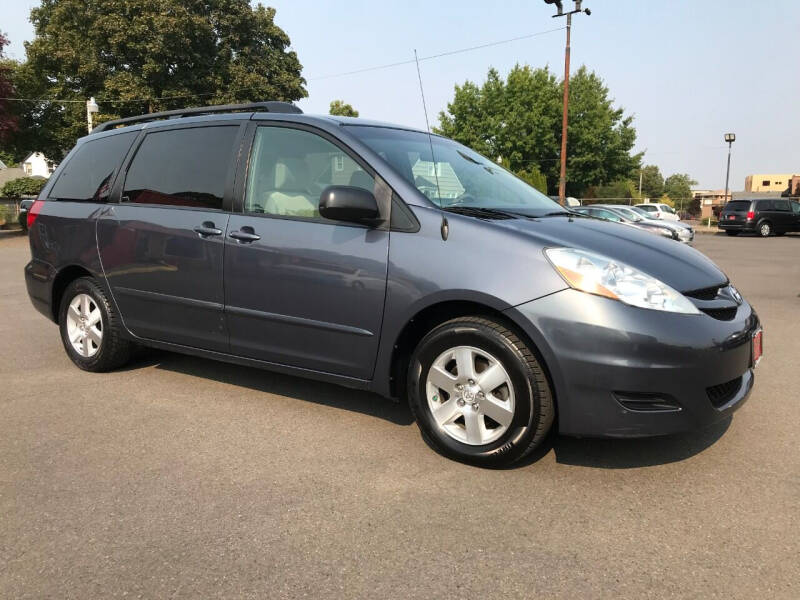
column 478, row 393
column 90, row 328
column 764, row 229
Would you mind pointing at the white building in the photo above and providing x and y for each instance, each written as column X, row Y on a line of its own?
column 36, row 164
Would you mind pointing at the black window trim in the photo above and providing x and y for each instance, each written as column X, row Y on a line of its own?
column 243, row 168
column 227, row 198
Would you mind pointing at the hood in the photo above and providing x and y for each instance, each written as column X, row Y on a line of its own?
column 678, row 265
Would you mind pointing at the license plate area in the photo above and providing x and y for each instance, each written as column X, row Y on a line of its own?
column 758, row 346
column 731, row 217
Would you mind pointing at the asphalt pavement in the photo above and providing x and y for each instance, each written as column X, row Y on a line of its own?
column 178, row 477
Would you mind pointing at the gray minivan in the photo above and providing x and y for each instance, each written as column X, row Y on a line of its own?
column 382, row 258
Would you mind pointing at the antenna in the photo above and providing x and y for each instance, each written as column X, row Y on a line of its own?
column 428, row 126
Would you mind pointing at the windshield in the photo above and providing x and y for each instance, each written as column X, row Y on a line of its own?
column 628, row 213
column 458, row 177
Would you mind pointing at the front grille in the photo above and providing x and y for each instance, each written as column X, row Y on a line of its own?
column 721, row 314
column 704, row 294
column 721, row 394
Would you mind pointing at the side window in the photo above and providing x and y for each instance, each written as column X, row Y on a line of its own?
column 182, row 167
column 289, row 168
column 764, row 205
column 796, row 208
column 781, row 205
column 89, row 173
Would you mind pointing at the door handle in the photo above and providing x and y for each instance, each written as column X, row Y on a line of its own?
column 245, row 236
column 207, row 228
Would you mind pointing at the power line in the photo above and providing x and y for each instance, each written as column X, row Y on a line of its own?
column 321, row 78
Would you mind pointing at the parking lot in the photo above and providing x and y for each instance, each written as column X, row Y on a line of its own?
column 181, row 477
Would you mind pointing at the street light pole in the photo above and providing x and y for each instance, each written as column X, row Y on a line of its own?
column 730, row 138
column 562, row 180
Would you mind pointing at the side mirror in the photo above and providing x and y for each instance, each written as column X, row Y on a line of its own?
column 347, row 203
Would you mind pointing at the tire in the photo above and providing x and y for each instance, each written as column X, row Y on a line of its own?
column 732, row 233
column 113, row 350
column 522, row 404
column 765, row 229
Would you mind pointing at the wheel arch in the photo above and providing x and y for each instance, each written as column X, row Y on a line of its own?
column 63, row 278
column 425, row 319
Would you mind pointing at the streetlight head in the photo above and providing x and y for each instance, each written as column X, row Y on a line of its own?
column 91, row 105
column 730, row 137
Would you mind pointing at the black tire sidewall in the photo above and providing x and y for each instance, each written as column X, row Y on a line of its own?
column 517, row 439
column 85, row 286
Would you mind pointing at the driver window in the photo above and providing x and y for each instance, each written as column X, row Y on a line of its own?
column 289, row 168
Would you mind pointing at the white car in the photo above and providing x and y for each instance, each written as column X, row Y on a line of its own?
column 659, row 211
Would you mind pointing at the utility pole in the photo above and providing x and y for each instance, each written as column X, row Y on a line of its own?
column 640, row 186
column 562, row 180
column 730, row 138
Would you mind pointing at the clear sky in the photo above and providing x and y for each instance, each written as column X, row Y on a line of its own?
column 688, row 70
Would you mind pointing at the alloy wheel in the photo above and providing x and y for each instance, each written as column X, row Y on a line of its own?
column 470, row 395
column 84, row 325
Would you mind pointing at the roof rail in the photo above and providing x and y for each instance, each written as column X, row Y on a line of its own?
column 271, row 106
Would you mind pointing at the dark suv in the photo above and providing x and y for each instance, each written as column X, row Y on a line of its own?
column 765, row 216
column 382, row 258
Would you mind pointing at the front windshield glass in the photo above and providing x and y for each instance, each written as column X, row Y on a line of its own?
column 642, row 212
column 458, row 177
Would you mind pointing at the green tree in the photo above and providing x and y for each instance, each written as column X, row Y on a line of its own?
column 150, row 56
column 622, row 190
column 652, row 182
column 678, row 188
column 8, row 120
column 22, row 186
column 532, row 175
column 338, row 107
column 520, row 119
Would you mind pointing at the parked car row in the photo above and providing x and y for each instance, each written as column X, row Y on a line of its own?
column 764, row 216
column 634, row 216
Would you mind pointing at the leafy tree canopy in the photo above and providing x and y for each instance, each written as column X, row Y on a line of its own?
column 8, row 121
column 22, row 186
column 622, row 189
column 519, row 118
column 652, row 182
column 154, row 55
column 679, row 186
column 338, row 107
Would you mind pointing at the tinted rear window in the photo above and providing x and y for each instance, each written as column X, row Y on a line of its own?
column 182, row 167
column 89, row 173
column 734, row 205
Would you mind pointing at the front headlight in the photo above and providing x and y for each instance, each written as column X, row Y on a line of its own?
column 603, row 276
column 665, row 232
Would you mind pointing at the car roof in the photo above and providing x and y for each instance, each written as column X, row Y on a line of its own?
column 324, row 121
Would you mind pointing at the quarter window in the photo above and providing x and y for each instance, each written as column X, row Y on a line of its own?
column 182, row 167
column 88, row 175
column 289, row 168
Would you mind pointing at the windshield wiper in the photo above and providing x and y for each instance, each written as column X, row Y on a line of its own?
column 556, row 213
column 480, row 212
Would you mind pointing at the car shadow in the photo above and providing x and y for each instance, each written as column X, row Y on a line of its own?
column 636, row 452
column 270, row 382
column 582, row 452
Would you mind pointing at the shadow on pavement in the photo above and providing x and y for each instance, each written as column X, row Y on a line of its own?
column 584, row 452
column 632, row 453
column 276, row 383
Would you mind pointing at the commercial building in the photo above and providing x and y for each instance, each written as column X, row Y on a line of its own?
column 768, row 182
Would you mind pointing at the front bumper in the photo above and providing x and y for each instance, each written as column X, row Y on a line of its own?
column 621, row 371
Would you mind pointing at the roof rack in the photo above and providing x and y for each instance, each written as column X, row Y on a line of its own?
column 271, row 106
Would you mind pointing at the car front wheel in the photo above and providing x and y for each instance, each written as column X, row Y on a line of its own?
column 478, row 392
